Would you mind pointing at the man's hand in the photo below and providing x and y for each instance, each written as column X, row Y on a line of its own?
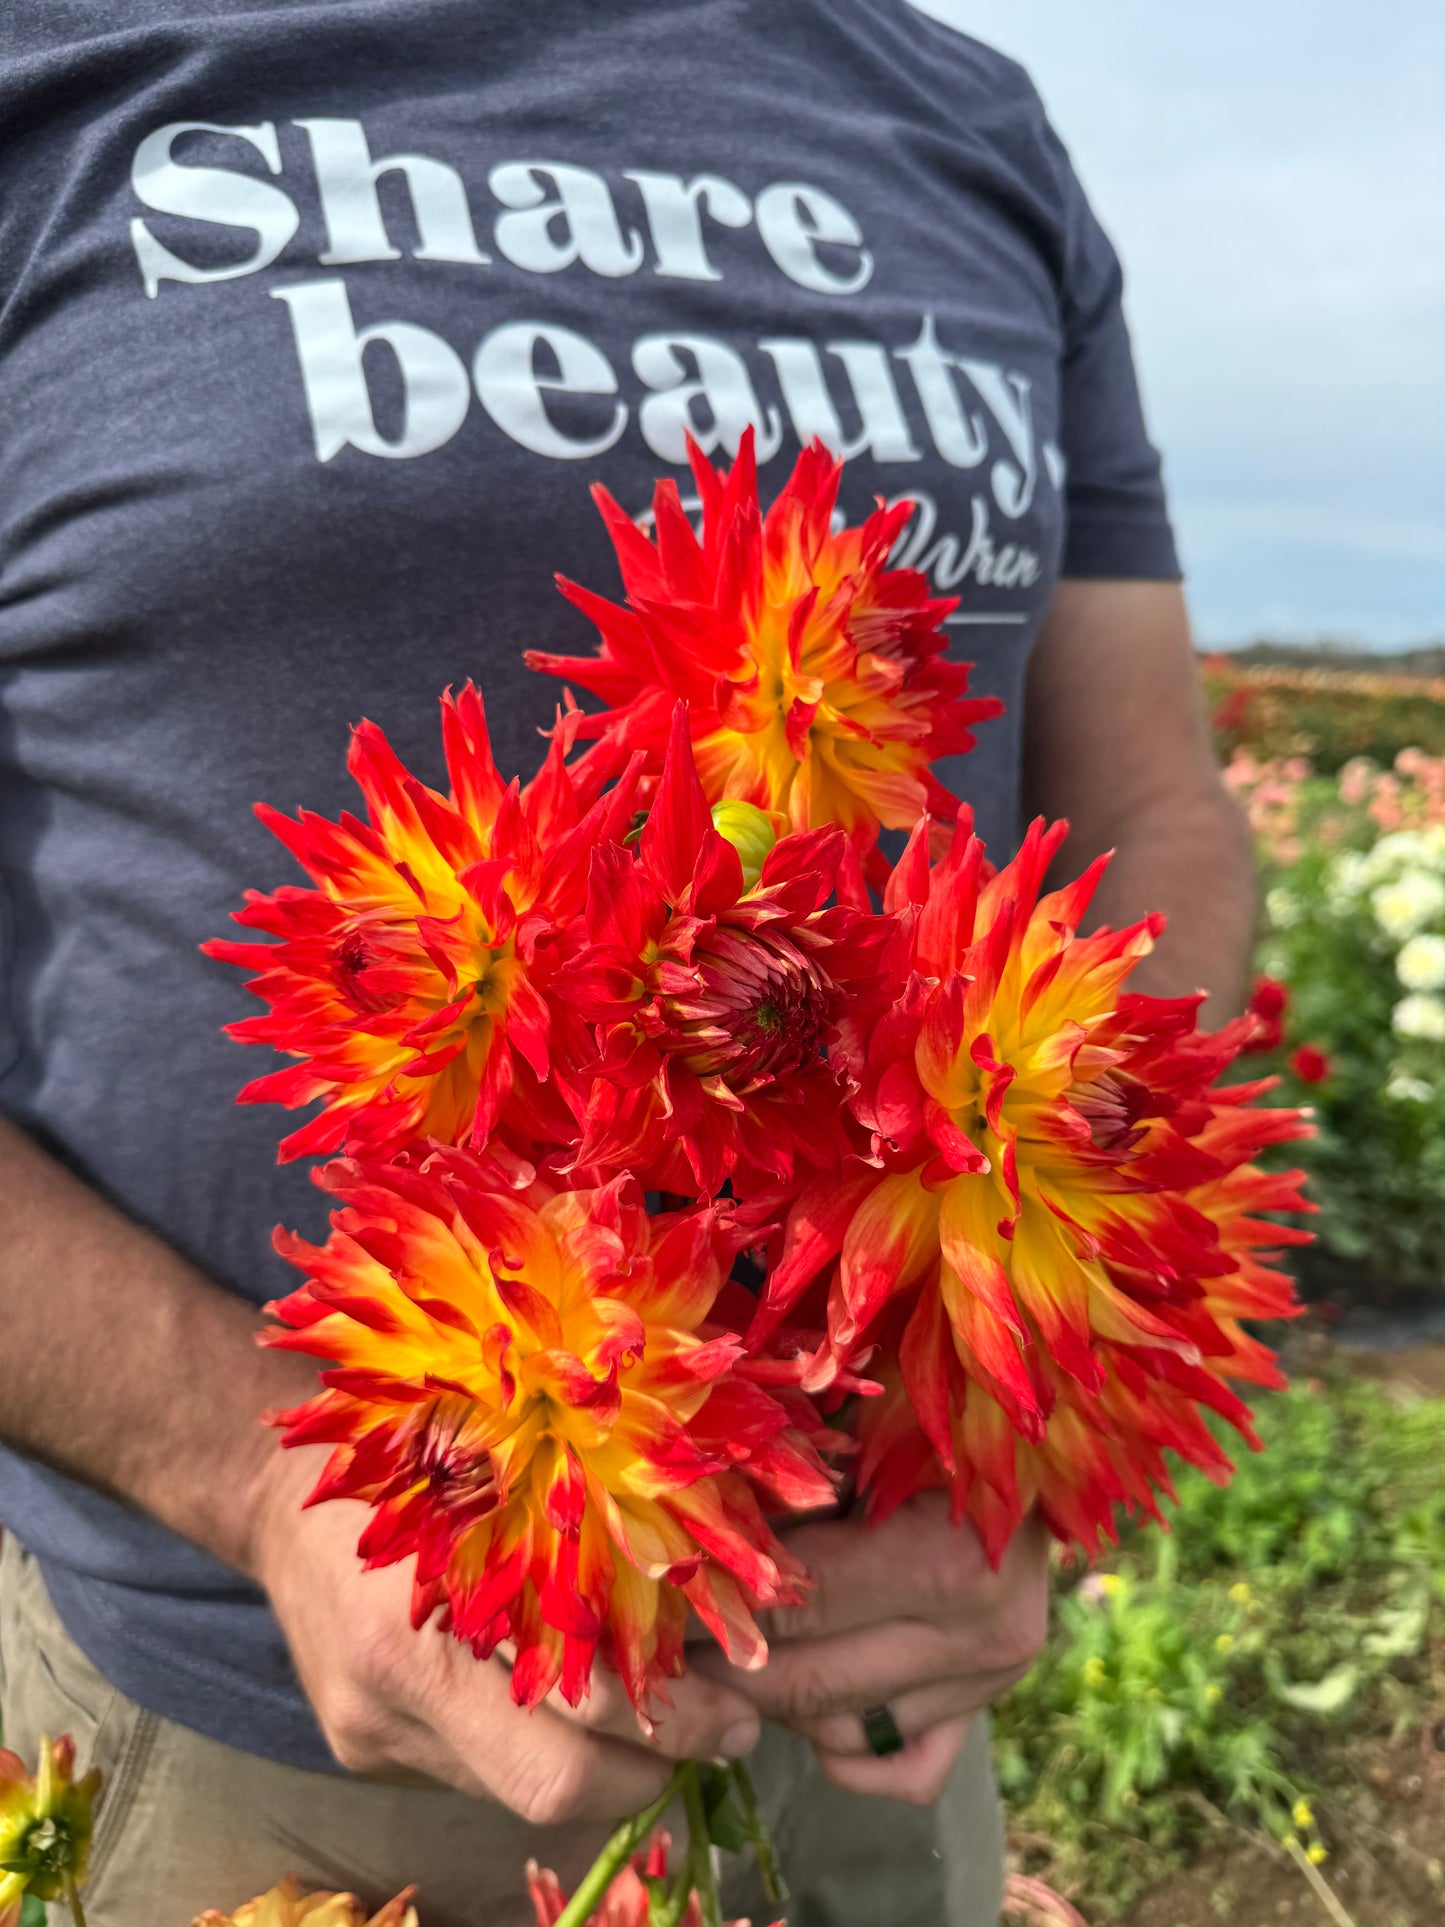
column 908, row 1615
column 397, row 1703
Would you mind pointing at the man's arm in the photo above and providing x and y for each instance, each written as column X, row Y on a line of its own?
column 910, row 1615
column 1117, row 740
column 125, row 1367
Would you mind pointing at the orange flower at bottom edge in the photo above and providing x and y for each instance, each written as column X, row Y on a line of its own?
column 544, row 1397
column 287, row 1906
column 627, row 1901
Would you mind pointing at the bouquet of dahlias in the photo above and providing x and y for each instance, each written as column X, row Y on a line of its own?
column 1007, row 1216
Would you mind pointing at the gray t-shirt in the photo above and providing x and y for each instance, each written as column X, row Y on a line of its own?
column 315, row 325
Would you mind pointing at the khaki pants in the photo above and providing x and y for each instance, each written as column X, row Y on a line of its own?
column 187, row 1823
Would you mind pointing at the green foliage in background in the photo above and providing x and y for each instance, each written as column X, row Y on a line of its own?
column 1221, row 1669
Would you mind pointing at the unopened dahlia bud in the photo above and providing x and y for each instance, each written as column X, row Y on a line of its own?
column 752, row 833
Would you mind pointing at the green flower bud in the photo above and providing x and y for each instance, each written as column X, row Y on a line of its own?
column 751, row 831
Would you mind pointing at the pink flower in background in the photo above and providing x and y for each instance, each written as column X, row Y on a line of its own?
column 1411, row 796
column 1356, row 780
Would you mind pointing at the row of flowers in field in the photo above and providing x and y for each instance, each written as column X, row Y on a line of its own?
column 1353, row 942
column 1328, row 715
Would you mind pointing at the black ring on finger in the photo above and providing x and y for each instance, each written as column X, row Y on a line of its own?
column 880, row 1729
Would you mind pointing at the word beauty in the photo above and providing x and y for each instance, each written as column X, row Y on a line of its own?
column 548, row 387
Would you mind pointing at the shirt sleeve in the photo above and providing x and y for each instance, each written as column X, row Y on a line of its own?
column 1118, row 519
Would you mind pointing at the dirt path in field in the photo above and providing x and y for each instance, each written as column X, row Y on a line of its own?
column 1385, row 1869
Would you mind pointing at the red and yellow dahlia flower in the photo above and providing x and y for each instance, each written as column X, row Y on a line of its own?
column 409, row 982
column 287, row 1906
column 816, row 676
column 544, row 1396
column 1060, row 1234
column 716, row 978
column 628, row 1900
column 46, row 1821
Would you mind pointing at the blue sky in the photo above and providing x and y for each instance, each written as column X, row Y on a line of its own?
column 1273, row 173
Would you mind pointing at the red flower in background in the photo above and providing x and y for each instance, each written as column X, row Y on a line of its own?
column 409, row 981
column 544, row 1397
column 1311, row 1065
column 1268, row 1002
column 817, row 678
column 715, row 989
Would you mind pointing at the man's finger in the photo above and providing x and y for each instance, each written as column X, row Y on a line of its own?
column 916, row 1565
column 708, row 1718
column 914, row 1714
column 811, row 1679
column 918, row 1774
column 550, row 1770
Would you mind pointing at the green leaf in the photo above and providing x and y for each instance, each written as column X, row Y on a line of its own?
column 727, row 1820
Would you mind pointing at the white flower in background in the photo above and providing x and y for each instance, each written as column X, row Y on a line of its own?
column 1410, row 903
column 1282, row 908
column 1433, row 840
column 1396, row 852
column 1421, row 963
column 1422, row 1016
column 1409, row 1090
column 1351, row 878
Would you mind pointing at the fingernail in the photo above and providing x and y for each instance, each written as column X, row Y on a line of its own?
column 738, row 1740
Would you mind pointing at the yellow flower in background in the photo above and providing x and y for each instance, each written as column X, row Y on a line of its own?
column 287, row 1906
column 1316, row 1855
column 1224, row 1643
column 1110, row 1584
column 1240, row 1593
column 1302, row 1814
column 1095, row 1673
column 45, row 1826
column 1213, row 1694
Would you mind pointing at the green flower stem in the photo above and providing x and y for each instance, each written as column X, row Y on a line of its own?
column 770, row 1872
column 701, row 1877
column 72, row 1895
column 615, row 1855
column 1324, row 1892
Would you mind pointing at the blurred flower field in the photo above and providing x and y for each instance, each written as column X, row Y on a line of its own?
column 1247, row 1720
column 1352, row 953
